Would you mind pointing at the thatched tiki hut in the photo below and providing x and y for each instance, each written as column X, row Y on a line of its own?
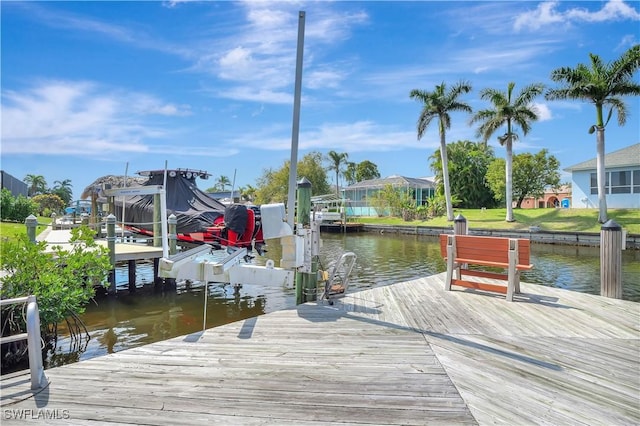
column 95, row 190
column 194, row 209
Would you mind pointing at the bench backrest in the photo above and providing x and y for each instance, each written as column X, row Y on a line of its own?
column 487, row 249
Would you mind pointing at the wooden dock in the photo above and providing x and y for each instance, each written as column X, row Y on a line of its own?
column 124, row 251
column 409, row 353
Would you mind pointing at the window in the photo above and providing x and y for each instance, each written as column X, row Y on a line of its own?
column 621, row 182
column 594, row 183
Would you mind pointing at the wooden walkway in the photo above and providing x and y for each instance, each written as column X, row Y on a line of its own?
column 124, row 251
column 408, row 354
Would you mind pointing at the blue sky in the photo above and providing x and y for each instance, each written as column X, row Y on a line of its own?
column 89, row 87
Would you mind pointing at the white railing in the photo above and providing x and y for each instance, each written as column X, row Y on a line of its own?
column 32, row 336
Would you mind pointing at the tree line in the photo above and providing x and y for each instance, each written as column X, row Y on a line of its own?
column 599, row 83
column 42, row 200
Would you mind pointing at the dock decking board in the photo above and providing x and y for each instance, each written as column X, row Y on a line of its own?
column 409, row 353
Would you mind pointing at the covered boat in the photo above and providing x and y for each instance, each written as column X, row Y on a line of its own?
column 200, row 218
column 194, row 209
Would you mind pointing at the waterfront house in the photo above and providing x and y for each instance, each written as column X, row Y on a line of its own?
column 622, row 188
column 359, row 194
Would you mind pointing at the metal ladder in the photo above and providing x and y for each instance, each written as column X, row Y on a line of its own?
column 336, row 285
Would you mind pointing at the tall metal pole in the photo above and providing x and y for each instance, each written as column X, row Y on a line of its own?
column 293, row 163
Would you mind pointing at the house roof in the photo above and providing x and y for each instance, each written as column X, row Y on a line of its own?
column 395, row 180
column 223, row 194
column 629, row 156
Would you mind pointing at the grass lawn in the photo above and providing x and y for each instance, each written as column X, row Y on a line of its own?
column 571, row 220
column 10, row 230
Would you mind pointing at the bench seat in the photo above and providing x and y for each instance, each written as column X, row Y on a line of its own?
column 511, row 254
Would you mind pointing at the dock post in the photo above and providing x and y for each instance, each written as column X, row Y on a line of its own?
column 157, row 229
column 32, row 223
column 306, row 282
column 132, row 276
column 460, row 225
column 111, row 245
column 172, row 221
column 611, row 260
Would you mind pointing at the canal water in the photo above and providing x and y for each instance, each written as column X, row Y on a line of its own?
column 130, row 320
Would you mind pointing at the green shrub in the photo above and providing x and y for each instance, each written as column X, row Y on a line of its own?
column 63, row 281
column 15, row 208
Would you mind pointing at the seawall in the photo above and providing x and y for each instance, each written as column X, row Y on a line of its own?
column 535, row 236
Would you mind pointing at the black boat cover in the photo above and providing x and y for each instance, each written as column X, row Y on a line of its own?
column 194, row 209
column 235, row 218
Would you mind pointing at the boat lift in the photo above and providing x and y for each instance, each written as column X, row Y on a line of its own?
column 205, row 264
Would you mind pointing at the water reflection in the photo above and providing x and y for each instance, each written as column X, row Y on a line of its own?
column 126, row 321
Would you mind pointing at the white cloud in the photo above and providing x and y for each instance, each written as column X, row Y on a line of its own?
column 547, row 14
column 258, row 58
column 72, row 22
column 613, row 10
column 80, row 118
column 543, row 111
column 245, row 93
column 627, row 41
column 358, row 136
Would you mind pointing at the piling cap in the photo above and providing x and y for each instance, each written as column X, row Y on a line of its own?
column 611, row 225
column 460, row 218
column 304, row 183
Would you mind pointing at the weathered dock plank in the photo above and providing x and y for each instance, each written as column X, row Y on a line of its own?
column 408, row 353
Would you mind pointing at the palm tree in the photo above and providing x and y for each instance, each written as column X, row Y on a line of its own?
column 350, row 173
column 223, row 182
column 439, row 104
column 63, row 190
column 247, row 193
column 37, row 184
column 602, row 85
column 338, row 161
column 510, row 112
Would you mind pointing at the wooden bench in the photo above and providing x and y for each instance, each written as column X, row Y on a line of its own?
column 511, row 254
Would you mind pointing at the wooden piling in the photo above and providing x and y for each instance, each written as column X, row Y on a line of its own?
column 460, row 225
column 32, row 223
column 306, row 282
column 157, row 218
column 132, row 275
column 172, row 221
column 611, row 260
column 111, row 245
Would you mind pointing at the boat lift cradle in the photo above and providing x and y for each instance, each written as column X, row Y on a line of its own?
column 205, row 264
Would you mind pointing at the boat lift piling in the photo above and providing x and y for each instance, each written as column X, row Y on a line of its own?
column 307, row 275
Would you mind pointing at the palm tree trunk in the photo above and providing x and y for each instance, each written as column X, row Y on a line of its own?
column 601, row 174
column 445, row 175
column 509, row 189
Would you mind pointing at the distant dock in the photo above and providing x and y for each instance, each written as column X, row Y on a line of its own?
column 125, row 251
column 404, row 354
column 129, row 252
